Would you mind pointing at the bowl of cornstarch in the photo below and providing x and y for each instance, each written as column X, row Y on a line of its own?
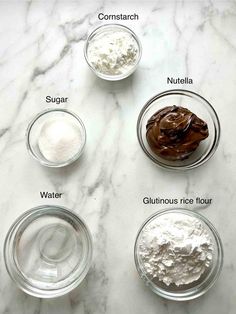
column 56, row 137
column 113, row 51
column 178, row 253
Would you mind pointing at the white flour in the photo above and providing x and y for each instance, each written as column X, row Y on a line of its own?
column 59, row 140
column 176, row 249
column 113, row 52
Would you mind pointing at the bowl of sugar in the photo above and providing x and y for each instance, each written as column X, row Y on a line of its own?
column 56, row 137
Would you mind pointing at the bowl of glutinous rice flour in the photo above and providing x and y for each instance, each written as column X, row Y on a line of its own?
column 178, row 253
column 112, row 51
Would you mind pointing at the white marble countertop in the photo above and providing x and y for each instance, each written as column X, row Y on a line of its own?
column 41, row 53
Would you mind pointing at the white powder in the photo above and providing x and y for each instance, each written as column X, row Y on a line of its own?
column 113, row 52
column 176, row 249
column 59, row 140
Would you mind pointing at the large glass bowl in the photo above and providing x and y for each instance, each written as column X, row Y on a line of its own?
column 106, row 29
column 187, row 291
column 48, row 251
column 193, row 102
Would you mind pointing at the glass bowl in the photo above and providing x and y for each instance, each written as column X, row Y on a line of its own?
column 48, row 251
column 185, row 291
column 107, row 29
column 35, row 127
column 193, row 102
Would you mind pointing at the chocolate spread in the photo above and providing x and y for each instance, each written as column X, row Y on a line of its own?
column 174, row 133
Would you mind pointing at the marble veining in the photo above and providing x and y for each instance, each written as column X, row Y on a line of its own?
column 41, row 53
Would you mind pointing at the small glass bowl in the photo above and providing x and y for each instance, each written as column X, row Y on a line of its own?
column 195, row 103
column 109, row 28
column 34, row 129
column 189, row 291
column 48, row 251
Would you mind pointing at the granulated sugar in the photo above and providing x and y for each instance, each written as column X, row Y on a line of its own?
column 59, row 140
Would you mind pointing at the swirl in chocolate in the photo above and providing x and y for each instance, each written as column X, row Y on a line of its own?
column 174, row 132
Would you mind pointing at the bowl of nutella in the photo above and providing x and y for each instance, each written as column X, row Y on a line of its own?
column 178, row 129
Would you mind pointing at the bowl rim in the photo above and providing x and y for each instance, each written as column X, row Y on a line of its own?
column 113, row 77
column 218, row 267
column 14, row 272
column 48, row 163
column 213, row 115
